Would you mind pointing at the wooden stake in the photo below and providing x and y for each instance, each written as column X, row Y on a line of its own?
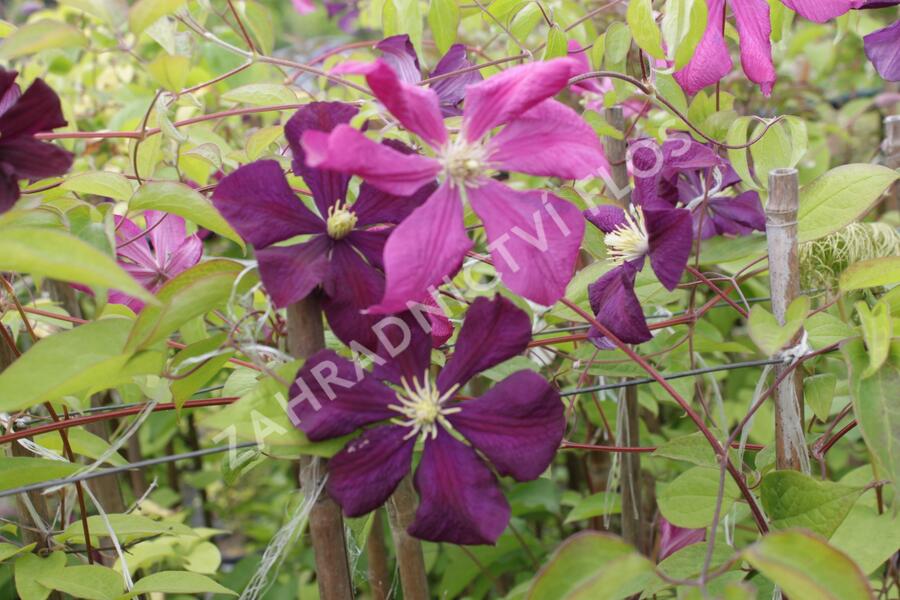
column 784, row 279
column 376, row 552
column 401, row 509
column 306, row 336
column 632, row 521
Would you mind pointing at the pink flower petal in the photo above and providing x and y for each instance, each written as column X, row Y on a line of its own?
column 550, row 140
column 428, row 246
column 822, row 10
column 534, row 238
column 754, row 28
column 347, row 150
column 503, row 97
column 417, row 108
column 711, row 61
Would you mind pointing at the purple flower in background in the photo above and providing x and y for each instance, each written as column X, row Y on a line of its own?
column 304, row 7
column 883, row 49
column 517, row 426
column 399, row 53
column 673, row 538
column 21, row 155
column 343, row 253
column 534, row 236
column 693, row 176
column 155, row 254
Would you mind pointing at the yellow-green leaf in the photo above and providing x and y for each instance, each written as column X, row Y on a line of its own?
column 41, row 35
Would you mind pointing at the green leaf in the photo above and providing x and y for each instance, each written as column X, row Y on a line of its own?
column 876, row 408
column 818, row 393
column 868, row 537
column 737, row 136
column 181, row 200
column 146, row 12
column 804, row 566
column 443, row 19
column 179, row 582
column 404, row 16
column 27, row 569
column 668, row 88
column 7, row 551
column 18, row 471
column 128, row 527
column 56, row 254
column 170, row 71
column 258, row 19
column 693, row 448
column 85, row 581
column 591, row 565
column 195, row 375
column 41, row 35
column 82, row 442
column 6, row 28
column 100, row 183
column 876, row 272
column 690, row 500
column 683, row 25
column 792, row 499
column 839, row 197
column 618, row 40
column 772, row 151
column 557, row 43
column 825, row 329
column 261, row 139
column 644, row 28
column 595, row 505
column 261, row 94
column 84, row 359
column 877, row 327
column 768, row 334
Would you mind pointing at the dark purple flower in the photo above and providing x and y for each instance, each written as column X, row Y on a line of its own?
column 534, row 235
column 673, row 538
column 883, row 49
column 517, row 425
column 155, row 254
column 343, row 253
column 21, row 155
column 399, row 52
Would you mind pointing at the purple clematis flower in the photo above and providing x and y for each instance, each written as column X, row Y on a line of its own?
column 21, row 155
column 343, row 254
column 516, row 426
column 673, row 538
column 883, row 50
column 155, row 254
column 399, row 52
column 534, row 235
column 691, row 175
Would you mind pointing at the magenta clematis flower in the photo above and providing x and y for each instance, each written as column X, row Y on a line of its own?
column 155, row 254
column 343, row 254
column 399, row 52
column 21, row 155
column 673, row 538
column 691, row 175
column 517, row 426
column 883, row 50
column 534, row 235
column 304, row 7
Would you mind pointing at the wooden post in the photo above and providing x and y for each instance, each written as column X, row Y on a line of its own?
column 632, row 518
column 376, row 552
column 401, row 509
column 784, row 280
column 306, row 336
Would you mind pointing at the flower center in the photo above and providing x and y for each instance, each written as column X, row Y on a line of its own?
column 464, row 162
column 340, row 222
column 422, row 407
column 628, row 241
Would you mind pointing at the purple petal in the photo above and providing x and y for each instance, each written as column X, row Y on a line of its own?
column 647, row 162
column 349, row 324
column 605, row 217
column 580, row 56
column 258, row 202
column 398, row 52
column 755, row 29
column 137, row 250
column 347, row 150
column 405, row 346
column 821, row 11
column 534, row 238
column 366, row 472
column 424, row 249
column 669, row 232
column 517, row 425
column 739, row 215
column 614, row 302
column 33, row 159
column 331, row 397
column 673, row 538
column 451, row 90
column 9, row 188
column 350, row 278
column 460, row 501
column 417, row 108
column 327, row 187
column 38, row 109
column 290, row 273
column 683, row 152
column 374, row 206
column 493, row 331
column 883, row 49
column 505, row 96
column 441, row 326
column 550, row 140
column 9, row 90
column 711, row 61
column 304, row 7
